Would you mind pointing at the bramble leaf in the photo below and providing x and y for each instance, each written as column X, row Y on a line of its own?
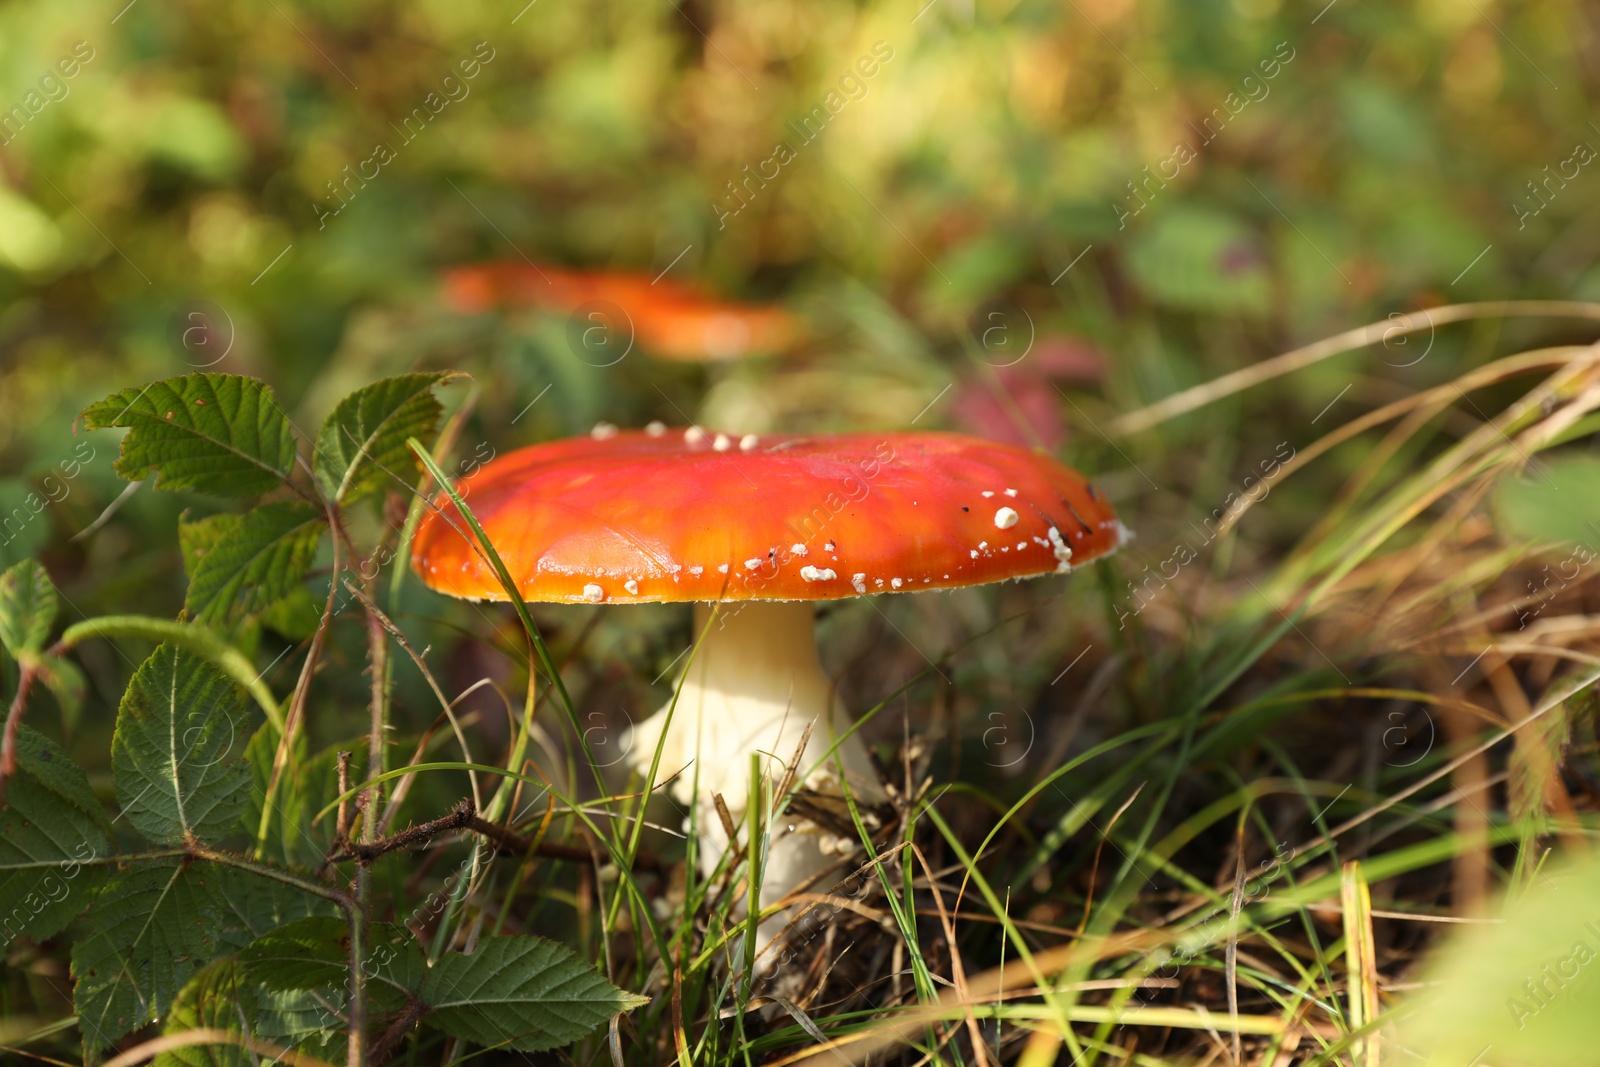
column 178, row 751
column 27, row 608
column 216, row 433
column 314, row 954
column 364, row 439
column 50, row 827
column 146, row 933
column 223, row 996
column 242, row 564
column 526, row 993
column 157, row 924
column 217, row 998
column 253, row 907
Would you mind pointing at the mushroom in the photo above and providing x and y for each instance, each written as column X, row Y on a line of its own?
column 761, row 526
column 671, row 320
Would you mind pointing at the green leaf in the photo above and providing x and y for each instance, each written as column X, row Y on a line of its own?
column 66, row 682
column 254, row 907
column 27, row 608
column 1200, row 259
column 242, row 564
column 364, row 439
column 225, row 997
column 523, row 992
column 50, row 827
column 216, row 433
column 314, row 954
column 295, row 616
column 154, row 926
column 1555, row 499
column 178, row 751
column 147, row 932
column 218, row 998
column 1525, row 985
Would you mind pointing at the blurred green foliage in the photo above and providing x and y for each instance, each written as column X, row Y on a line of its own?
column 167, row 199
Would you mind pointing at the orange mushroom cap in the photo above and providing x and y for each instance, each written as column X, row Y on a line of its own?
column 671, row 320
column 654, row 516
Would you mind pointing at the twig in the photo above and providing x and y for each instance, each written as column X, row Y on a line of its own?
column 464, row 816
column 8, row 747
column 513, row 843
column 376, row 613
column 366, row 851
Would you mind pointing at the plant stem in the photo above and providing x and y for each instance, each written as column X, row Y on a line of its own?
column 415, row 1009
column 8, row 747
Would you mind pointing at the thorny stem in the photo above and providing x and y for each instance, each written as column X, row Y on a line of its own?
column 341, row 829
column 378, row 665
column 367, row 850
column 414, row 1011
column 297, row 702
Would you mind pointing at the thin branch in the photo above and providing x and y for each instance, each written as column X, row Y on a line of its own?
column 390, row 1041
column 366, row 851
column 8, row 747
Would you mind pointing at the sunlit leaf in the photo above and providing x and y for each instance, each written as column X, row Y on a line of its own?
column 217, row 998
column 362, row 445
column 27, row 608
column 242, row 564
column 216, row 433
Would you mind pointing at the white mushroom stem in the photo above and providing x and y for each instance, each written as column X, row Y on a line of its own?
column 753, row 687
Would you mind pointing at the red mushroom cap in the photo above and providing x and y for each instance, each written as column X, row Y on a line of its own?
column 693, row 515
column 671, row 320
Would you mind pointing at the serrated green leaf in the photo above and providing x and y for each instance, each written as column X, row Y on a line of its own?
column 241, row 564
column 309, row 1021
column 218, row 998
column 254, row 907
column 27, row 608
column 148, row 931
column 66, row 682
column 154, row 926
column 178, row 751
column 51, row 826
column 1556, row 499
column 223, row 996
column 526, row 993
column 215, row 433
column 314, row 953
column 364, row 439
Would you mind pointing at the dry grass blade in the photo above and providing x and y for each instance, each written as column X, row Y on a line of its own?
column 156, row 1046
column 1360, row 337
column 1361, row 959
